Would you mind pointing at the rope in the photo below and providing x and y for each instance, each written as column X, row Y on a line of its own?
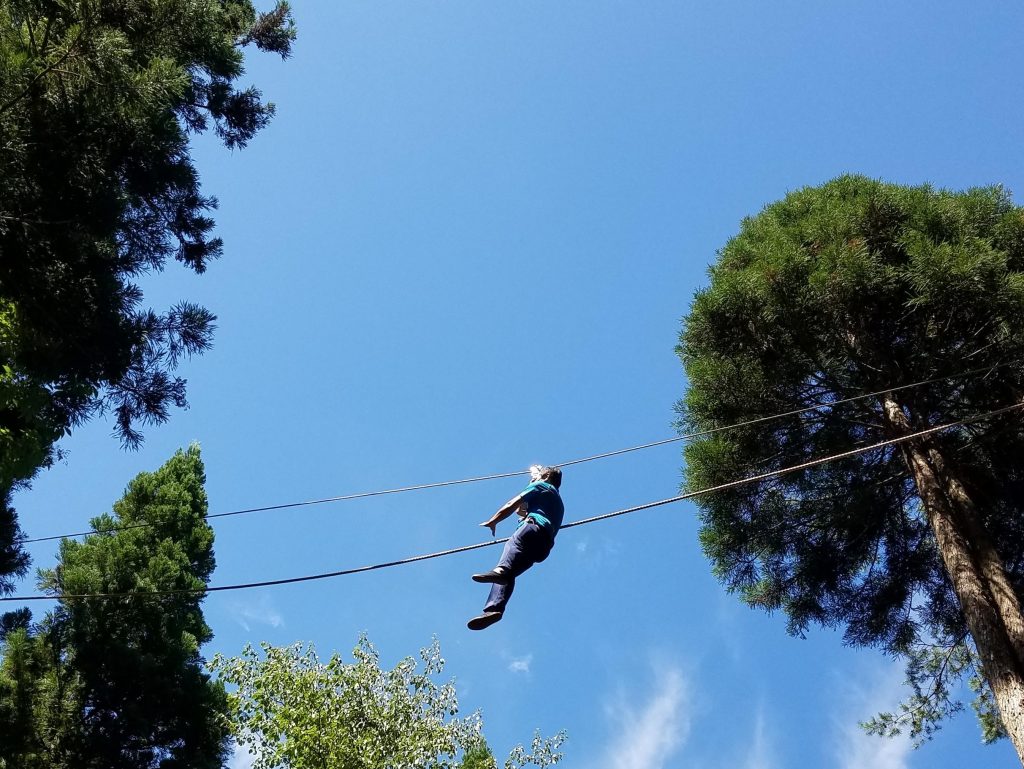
column 583, row 522
column 360, row 495
column 496, row 476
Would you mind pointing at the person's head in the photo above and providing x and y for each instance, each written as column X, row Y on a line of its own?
column 552, row 475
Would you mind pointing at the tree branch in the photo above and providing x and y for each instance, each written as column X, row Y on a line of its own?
column 42, row 73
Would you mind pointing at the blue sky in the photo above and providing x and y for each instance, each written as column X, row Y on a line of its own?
column 464, row 245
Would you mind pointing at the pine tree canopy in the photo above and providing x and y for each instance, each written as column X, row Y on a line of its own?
column 844, row 289
column 98, row 99
column 97, row 187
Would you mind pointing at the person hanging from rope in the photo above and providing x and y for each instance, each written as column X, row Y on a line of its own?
column 541, row 511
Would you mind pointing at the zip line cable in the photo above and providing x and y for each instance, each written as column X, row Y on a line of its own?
column 479, row 545
column 343, row 498
column 496, row 476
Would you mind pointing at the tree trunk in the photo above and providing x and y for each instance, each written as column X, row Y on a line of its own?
column 986, row 555
column 989, row 604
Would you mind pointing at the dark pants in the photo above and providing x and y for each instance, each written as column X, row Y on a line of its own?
column 529, row 544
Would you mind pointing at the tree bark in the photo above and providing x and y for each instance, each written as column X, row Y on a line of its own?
column 988, row 602
column 988, row 558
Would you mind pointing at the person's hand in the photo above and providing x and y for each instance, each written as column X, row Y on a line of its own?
column 490, row 525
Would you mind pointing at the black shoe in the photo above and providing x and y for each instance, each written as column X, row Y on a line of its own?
column 495, row 576
column 486, row 619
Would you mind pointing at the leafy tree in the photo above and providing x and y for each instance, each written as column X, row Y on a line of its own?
column 300, row 713
column 119, row 683
column 916, row 548
column 98, row 99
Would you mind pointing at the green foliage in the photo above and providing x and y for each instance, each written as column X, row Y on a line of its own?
column 27, row 433
column 840, row 290
column 97, row 101
column 297, row 712
column 930, row 669
column 119, row 683
column 985, row 708
column 29, row 703
column 478, row 757
column 544, row 751
column 98, row 187
column 13, row 560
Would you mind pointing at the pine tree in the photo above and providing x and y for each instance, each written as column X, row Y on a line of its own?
column 119, row 683
column 98, row 100
column 917, row 548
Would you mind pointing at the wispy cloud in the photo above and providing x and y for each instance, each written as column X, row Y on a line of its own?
column 652, row 731
column 260, row 611
column 761, row 754
column 596, row 552
column 877, row 691
column 521, row 664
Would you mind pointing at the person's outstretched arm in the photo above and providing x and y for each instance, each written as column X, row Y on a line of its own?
column 503, row 512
